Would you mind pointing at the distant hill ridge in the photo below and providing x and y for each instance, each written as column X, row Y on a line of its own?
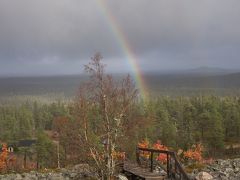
column 188, row 80
column 68, row 85
column 205, row 70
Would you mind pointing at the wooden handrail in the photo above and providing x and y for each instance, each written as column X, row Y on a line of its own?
column 178, row 170
column 155, row 150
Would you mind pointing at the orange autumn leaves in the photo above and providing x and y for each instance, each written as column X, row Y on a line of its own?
column 158, row 145
column 7, row 161
column 193, row 154
column 144, row 144
column 119, row 155
column 3, row 157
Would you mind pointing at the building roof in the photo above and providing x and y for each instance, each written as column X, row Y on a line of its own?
column 26, row 142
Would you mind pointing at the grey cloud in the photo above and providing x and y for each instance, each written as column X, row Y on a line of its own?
column 49, row 36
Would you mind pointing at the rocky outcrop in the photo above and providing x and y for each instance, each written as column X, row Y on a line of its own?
column 81, row 171
column 222, row 170
column 204, row 176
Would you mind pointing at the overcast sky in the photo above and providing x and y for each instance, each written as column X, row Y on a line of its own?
column 59, row 36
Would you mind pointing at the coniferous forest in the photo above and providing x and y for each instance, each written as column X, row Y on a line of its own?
column 179, row 122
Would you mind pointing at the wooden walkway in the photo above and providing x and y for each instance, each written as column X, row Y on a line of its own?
column 137, row 172
column 172, row 169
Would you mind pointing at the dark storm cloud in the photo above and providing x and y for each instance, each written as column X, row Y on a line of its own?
column 57, row 36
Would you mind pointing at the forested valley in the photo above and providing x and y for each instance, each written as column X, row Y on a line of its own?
column 107, row 119
column 178, row 122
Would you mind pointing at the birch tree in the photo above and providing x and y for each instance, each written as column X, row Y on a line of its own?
column 102, row 109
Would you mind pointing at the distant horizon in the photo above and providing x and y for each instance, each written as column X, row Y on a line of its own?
column 166, row 71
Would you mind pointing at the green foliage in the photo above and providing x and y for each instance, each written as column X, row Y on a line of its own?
column 45, row 151
column 179, row 122
column 24, row 120
column 183, row 121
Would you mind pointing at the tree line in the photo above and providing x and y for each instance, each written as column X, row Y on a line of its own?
column 23, row 121
column 178, row 122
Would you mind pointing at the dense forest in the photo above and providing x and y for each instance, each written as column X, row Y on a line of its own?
column 178, row 122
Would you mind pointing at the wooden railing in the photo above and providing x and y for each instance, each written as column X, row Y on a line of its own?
column 174, row 169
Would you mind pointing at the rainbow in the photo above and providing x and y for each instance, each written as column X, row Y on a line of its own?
column 125, row 46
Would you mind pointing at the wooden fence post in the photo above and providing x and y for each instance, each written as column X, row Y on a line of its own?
column 151, row 161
